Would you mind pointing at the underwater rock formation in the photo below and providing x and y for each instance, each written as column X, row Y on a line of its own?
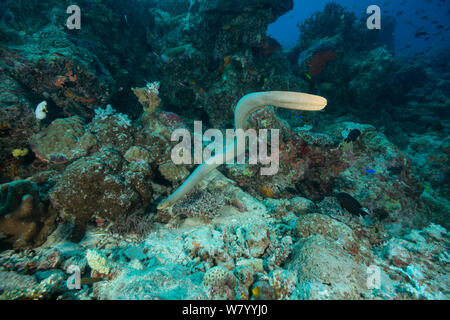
column 96, row 187
column 17, row 125
column 64, row 140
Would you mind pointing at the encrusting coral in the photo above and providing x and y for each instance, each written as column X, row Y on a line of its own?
column 248, row 104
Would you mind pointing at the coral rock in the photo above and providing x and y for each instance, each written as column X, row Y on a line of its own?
column 62, row 141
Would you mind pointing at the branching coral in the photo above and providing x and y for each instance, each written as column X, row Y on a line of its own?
column 148, row 96
column 247, row 105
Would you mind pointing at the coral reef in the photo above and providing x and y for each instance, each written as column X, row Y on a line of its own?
column 357, row 210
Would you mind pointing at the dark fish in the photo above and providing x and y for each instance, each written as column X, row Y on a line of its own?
column 350, row 204
column 440, row 26
column 395, row 170
column 353, row 135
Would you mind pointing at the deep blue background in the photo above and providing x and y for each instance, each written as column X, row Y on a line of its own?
column 286, row 32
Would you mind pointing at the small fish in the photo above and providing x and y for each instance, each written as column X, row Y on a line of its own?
column 352, row 135
column 350, row 204
column 195, row 243
column 256, row 291
column 308, row 76
column 17, row 91
column 370, row 171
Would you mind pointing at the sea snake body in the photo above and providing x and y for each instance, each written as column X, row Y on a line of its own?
column 247, row 105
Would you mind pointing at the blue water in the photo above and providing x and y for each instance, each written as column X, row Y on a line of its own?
column 286, row 32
